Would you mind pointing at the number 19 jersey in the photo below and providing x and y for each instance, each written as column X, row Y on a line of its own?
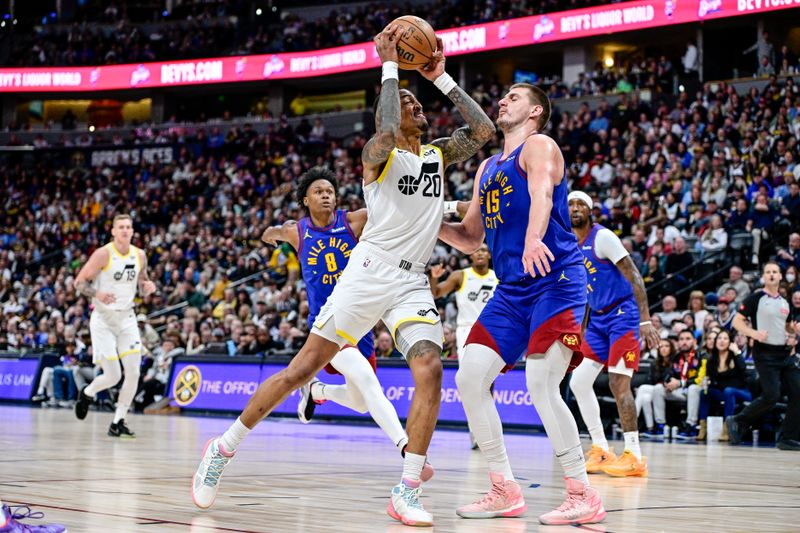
column 406, row 204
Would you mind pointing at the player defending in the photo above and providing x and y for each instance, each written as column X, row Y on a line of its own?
column 385, row 277
column 618, row 316
column 116, row 269
column 473, row 287
column 537, row 308
column 324, row 240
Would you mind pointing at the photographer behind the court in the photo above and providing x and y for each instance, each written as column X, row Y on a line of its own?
column 768, row 313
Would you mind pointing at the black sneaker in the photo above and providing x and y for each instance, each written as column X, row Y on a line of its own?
column 82, row 405
column 306, row 405
column 789, row 445
column 120, row 430
column 734, row 431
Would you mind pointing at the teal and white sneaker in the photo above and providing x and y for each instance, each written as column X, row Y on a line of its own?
column 206, row 480
column 406, row 507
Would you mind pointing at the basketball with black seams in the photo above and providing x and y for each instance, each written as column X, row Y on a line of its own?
column 417, row 43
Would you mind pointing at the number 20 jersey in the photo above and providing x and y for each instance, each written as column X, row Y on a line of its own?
column 406, row 204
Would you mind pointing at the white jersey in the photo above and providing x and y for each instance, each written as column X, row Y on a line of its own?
column 120, row 277
column 473, row 294
column 406, row 204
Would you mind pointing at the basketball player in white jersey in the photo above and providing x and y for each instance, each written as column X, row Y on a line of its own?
column 110, row 279
column 385, row 277
column 473, row 287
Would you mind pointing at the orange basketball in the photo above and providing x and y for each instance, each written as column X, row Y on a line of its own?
column 417, row 43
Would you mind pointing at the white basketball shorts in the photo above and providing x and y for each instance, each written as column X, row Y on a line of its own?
column 377, row 286
column 115, row 334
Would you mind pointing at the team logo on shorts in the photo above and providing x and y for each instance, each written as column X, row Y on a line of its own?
column 630, row 356
column 187, row 385
column 570, row 340
column 424, row 312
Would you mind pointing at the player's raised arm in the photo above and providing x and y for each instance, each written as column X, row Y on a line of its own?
column 544, row 164
column 450, row 284
column 83, row 281
column 466, row 236
column 285, row 233
column 466, row 141
column 387, row 114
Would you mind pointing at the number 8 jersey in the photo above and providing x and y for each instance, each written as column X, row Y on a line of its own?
column 406, row 204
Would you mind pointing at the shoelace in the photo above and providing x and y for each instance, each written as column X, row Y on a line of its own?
column 571, row 503
column 215, row 468
column 493, row 495
column 411, row 497
column 20, row 512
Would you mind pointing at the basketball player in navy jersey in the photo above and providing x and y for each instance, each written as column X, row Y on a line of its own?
column 324, row 240
column 618, row 315
column 536, row 310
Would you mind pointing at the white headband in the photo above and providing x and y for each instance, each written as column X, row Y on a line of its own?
column 582, row 196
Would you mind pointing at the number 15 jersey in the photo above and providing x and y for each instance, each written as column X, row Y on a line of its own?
column 406, row 204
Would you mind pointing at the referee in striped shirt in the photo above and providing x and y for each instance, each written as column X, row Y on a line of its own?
column 768, row 313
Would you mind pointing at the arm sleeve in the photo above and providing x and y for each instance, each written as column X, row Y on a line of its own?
column 608, row 246
column 750, row 306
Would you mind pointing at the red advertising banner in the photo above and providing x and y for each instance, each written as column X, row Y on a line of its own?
column 526, row 31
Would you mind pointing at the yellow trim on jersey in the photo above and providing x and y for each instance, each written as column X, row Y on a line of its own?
column 463, row 281
column 386, row 166
column 110, row 256
column 488, row 273
column 402, row 321
column 136, row 253
column 348, row 338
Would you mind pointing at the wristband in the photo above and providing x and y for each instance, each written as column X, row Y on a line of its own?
column 445, row 83
column 450, row 207
column 389, row 71
column 645, row 323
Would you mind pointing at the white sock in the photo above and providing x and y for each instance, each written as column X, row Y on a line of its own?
column 412, row 467
column 495, row 453
column 599, row 437
column 574, row 464
column 632, row 443
column 234, row 436
column 120, row 412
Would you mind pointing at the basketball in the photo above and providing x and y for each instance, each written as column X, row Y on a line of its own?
column 417, row 43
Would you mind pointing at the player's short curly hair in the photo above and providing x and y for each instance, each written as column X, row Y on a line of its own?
column 314, row 174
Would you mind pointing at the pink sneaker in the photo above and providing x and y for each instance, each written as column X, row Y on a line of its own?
column 427, row 472
column 503, row 500
column 582, row 506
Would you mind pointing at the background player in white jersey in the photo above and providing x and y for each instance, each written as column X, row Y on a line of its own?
column 473, row 287
column 110, row 279
column 617, row 316
column 385, row 277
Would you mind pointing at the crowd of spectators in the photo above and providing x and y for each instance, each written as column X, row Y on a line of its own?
column 678, row 183
column 107, row 35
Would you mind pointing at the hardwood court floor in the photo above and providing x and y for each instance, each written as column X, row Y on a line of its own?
column 326, row 478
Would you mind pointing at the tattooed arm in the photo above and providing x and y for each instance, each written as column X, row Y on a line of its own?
column 83, row 282
column 465, row 141
column 146, row 286
column 387, row 116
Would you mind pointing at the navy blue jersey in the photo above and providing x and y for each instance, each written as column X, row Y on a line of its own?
column 606, row 285
column 323, row 253
column 505, row 205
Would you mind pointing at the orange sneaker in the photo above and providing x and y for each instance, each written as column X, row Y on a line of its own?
column 597, row 457
column 626, row 466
